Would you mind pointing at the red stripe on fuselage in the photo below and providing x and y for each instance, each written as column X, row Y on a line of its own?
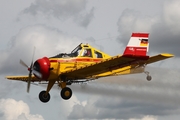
column 144, row 35
column 76, row 60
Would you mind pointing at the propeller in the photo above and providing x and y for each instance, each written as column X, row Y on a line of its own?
column 31, row 70
column 30, row 73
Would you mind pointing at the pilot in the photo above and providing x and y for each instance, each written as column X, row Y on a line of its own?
column 87, row 52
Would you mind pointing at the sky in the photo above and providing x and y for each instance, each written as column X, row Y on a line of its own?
column 58, row 26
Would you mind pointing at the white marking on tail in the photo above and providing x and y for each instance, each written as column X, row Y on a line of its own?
column 138, row 44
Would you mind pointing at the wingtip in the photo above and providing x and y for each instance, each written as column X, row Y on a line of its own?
column 6, row 77
column 9, row 77
column 167, row 55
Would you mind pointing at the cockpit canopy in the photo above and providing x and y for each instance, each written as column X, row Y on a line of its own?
column 83, row 50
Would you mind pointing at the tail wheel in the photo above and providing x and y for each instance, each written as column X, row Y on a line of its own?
column 149, row 78
column 43, row 97
column 66, row 93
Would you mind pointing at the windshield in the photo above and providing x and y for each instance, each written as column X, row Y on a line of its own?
column 76, row 51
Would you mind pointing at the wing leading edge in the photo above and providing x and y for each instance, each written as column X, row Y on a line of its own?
column 23, row 78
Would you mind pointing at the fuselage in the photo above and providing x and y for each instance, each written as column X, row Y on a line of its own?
column 83, row 55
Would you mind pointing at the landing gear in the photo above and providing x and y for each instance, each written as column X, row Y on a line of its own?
column 149, row 78
column 43, row 97
column 66, row 93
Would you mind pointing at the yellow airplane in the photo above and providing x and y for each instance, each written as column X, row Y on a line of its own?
column 86, row 63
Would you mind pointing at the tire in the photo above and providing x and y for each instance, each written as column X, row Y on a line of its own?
column 66, row 93
column 44, row 98
column 149, row 78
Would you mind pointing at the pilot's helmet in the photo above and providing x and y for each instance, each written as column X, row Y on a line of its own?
column 87, row 52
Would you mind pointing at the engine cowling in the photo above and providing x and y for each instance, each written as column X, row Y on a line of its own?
column 42, row 66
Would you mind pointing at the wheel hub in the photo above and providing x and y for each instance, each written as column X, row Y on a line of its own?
column 67, row 93
column 45, row 96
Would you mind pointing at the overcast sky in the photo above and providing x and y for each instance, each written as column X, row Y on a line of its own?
column 60, row 25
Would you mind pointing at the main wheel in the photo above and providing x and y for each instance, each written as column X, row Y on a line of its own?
column 43, row 97
column 66, row 93
column 149, row 78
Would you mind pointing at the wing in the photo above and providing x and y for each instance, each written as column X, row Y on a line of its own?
column 23, row 78
column 159, row 57
column 112, row 63
column 96, row 68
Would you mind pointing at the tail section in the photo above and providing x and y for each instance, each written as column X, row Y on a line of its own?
column 138, row 45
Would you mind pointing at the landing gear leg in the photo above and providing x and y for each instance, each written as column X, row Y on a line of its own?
column 44, row 96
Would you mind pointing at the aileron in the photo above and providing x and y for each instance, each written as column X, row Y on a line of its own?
column 159, row 57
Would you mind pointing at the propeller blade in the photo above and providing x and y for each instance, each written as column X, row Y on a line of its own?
column 33, row 55
column 23, row 63
column 38, row 74
column 30, row 70
column 28, row 85
column 29, row 80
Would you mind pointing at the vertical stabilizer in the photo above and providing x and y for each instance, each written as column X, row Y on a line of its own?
column 138, row 45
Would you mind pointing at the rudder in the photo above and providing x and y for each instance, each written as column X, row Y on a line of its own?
column 138, row 45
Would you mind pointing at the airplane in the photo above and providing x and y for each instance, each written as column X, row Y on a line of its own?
column 86, row 63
